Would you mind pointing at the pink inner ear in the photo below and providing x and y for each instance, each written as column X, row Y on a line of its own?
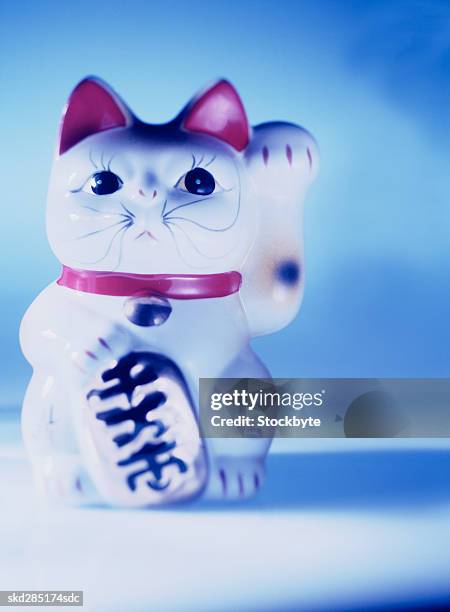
column 220, row 113
column 91, row 109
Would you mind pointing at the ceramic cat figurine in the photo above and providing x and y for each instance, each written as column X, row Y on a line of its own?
column 178, row 244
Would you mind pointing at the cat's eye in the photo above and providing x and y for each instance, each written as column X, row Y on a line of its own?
column 198, row 181
column 105, row 182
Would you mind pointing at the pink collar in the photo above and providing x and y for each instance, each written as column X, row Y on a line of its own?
column 177, row 286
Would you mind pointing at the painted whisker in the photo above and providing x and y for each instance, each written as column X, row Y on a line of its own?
column 100, row 231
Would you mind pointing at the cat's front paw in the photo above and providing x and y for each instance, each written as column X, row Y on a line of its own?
column 235, row 478
column 102, row 352
column 139, row 435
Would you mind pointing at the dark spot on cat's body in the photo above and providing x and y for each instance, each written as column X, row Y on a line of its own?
column 288, row 272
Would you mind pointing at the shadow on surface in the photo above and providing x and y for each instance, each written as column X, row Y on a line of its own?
column 351, row 481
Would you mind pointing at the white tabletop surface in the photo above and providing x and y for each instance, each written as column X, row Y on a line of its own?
column 331, row 530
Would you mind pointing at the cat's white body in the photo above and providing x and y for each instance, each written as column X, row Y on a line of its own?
column 149, row 222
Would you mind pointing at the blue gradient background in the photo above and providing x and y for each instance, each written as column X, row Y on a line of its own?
column 369, row 79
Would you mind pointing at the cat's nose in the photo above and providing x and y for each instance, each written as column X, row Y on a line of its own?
column 144, row 195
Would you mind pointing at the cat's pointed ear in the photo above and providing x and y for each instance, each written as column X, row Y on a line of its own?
column 92, row 107
column 219, row 112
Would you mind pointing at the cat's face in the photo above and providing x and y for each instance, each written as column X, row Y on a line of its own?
column 201, row 194
column 148, row 199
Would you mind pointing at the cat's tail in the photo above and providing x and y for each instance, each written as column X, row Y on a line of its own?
column 139, row 435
